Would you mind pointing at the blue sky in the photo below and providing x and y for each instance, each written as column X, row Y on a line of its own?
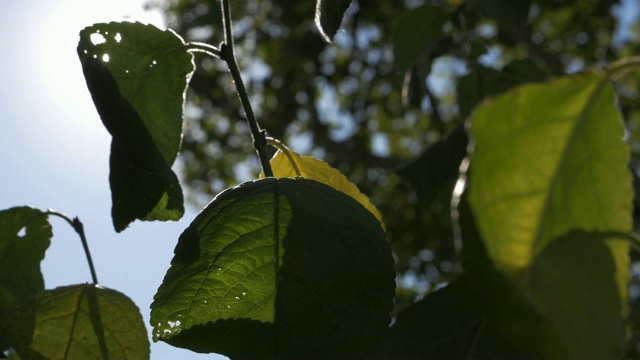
column 54, row 151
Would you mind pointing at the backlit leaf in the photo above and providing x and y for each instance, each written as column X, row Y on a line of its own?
column 79, row 322
column 25, row 235
column 278, row 268
column 550, row 190
column 137, row 75
column 417, row 30
column 329, row 15
column 310, row 168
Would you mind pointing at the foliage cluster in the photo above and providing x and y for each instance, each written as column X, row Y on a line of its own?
column 518, row 208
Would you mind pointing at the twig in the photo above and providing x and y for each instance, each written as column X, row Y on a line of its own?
column 79, row 228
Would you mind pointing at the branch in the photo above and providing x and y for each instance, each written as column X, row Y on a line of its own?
column 227, row 54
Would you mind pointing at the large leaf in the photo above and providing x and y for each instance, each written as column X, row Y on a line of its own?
column 78, row 322
column 291, row 165
column 137, row 76
column 329, row 15
column 278, row 268
column 417, row 30
column 25, row 235
column 551, row 195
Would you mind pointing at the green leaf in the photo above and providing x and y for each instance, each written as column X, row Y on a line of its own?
column 483, row 82
column 417, row 30
column 575, row 284
column 137, row 75
column 25, row 235
column 278, row 268
column 451, row 323
column 329, row 15
column 505, row 304
column 551, row 193
column 79, row 322
column 434, row 173
column 509, row 13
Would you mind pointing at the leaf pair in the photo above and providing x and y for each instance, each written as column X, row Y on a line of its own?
column 544, row 222
column 80, row 321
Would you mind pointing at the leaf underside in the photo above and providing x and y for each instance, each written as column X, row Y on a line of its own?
column 79, row 322
column 277, row 268
column 551, row 195
column 137, row 75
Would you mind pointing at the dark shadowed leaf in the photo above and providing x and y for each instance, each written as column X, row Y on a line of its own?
column 24, row 237
column 329, row 15
column 550, row 189
column 435, row 172
column 78, row 322
column 137, row 76
column 417, row 30
column 451, row 323
column 510, row 13
column 278, row 268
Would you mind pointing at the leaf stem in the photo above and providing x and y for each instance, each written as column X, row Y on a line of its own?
column 76, row 224
column 203, row 48
column 286, row 151
column 227, row 54
column 623, row 66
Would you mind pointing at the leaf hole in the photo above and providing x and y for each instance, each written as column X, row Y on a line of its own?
column 97, row 38
column 22, row 232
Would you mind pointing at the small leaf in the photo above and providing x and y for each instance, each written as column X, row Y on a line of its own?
column 25, row 235
column 435, row 172
column 549, row 169
column 278, row 268
column 79, row 322
column 509, row 13
column 417, row 30
column 284, row 166
column 137, row 75
column 329, row 15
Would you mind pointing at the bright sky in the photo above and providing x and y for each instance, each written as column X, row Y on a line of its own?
column 54, row 151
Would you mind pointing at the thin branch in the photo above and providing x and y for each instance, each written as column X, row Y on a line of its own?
column 227, row 54
column 76, row 224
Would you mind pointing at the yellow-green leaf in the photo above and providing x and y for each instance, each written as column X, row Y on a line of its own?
column 77, row 322
column 291, row 165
